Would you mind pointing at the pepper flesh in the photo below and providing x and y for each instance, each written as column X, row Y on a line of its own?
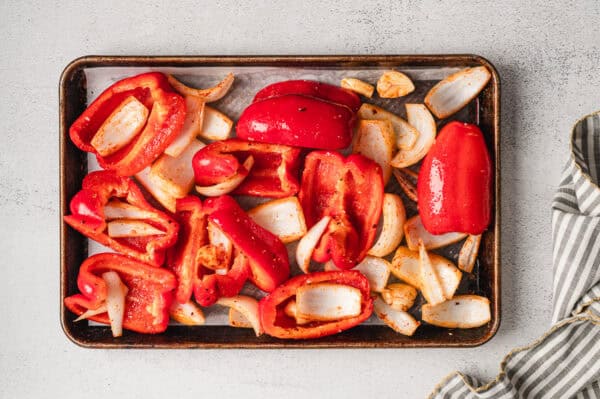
column 149, row 296
column 87, row 217
column 167, row 114
column 350, row 191
column 278, row 324
column 267, row 255
column 273, row 174
column 454, row 183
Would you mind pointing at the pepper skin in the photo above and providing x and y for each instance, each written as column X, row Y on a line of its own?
column 87, row 217
column 277, row 324
column 349, row 190
column 167, row 113
column 454, row 184
column 274, row 173
column 148, row 299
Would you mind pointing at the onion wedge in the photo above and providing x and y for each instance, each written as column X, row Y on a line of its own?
column 399, row 296
column 175, row 175
column 92, row 312
column 188, row 313
column 406, row 184
column 116, row 292
column 457, row 90
column 282, row 217
column 405, row 266
column 247, row 306
column 290, row 310
column 116, row 209
column 131, row 228
column 207, row 95
column 431, row 286
column 394, row 84
column 192, row 125
column 216, row 126
column 420, row 118
column 415, row 231
column 307, row 244
column 376, row 270
column 462, row 311
column 218, row 239
column 158, row 192
column 400, row 321
column 405, row 135
column 237, row 319
column 327, row 302
column 358, row 86
column 468, row 253
column 375, row 140
column 392, row 230
column 228, row 185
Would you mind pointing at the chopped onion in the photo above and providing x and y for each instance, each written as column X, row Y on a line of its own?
column 394, row 84
column 392, row 230
column 415, row 231
column 400, row 321
column 217, row 126
column 283, row 217
column 188, row 313
column 207, row 95
column 116, row 209
column 399, row 296
column 420, row 118
column 131, row 228
column 406, row 135
column 468, row 253
column 327, row 301
column 175, row 175
column 228, row 185
column 247, row 306
column 406, row 184
column 307, row 244
column 457, row 90
column 157, row 191
column 217, row 238
column 192, row 125
column 237, row 319
column 116, row 292
column 462, row 311
column 375, row 140
column 431, row 287
column 358, row 86
column 92, row 312
column 290, row 310
column 376, row 270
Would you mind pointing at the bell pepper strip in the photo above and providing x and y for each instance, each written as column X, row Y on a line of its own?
column 277, row 323
column 274, row 172
column 182, row 257
column 267, row 255
column 211, row 287
column 149, row 295
column 165, row 121
column 299, row 121
column 87, row 217
column 350, row 191
column 454, row 186
column 311, row 88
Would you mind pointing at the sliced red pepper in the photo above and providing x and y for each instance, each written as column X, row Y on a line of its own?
column 167, row 113
column 277, row 324
column 87, row 217
column 349, row 190
column 267, row 255
column 455, row 182
column 299, row 121
column 214, row 286
column 149, row 296
column 273, row 174
column 311, row 88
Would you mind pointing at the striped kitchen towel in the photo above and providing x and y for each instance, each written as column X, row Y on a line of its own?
column 565, row 362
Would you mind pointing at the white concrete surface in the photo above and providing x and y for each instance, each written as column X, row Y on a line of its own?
column 548, row 56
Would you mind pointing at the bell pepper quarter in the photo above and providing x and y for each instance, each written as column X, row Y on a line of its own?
column 274, row 173
column 149, row 296
column 311, row 88
column 298, row 121
column 454, row 186
column 167, row 114
column 350, row 191
column 277, row 324
column 87, row 217
column 267, row 255
column 211, row 287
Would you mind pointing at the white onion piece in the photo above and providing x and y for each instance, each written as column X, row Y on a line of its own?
column 116, row 209
column 375, row 140
column 217, row 125
column 399, row 296
column 188, row 313
column 400, row 321
column 457, row 90
column 290, row 310
column 116, row 292
column 327, row 301
column 420, row 118
column 405, row 135
column 237, row 319
column 131, row 228
column 415, row 231
column 92, row 312
column 247, row 306
column 468, row 253
column 207, row 95
column 283, row 217
column 307, row 244
column 192, row 126
column 431, row 286
column 462, row 311
column 217, row 238
column 175, row 175
column 376, row 270
column 228, row 185
column 158, row 192
column 392, row 230
column 358, row 86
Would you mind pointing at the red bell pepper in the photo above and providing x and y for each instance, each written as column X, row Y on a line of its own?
column 277, row 324
column 454, row 185
column 267, row 255
column 87, row 217
column 350, row 191
column 214, row 286
column 167, row 113
column 274, row 173
column 147, row 301
column 311, row 88
column 299, row 121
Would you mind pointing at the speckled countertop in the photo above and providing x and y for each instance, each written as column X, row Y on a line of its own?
column 547, row 54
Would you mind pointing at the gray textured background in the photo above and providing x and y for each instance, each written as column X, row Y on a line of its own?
column 547, row 54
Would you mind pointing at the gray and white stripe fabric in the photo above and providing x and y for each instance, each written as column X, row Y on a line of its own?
column 565, row 362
